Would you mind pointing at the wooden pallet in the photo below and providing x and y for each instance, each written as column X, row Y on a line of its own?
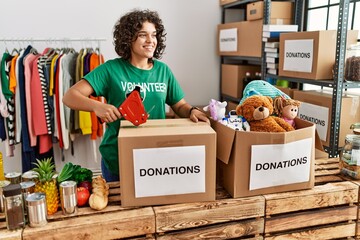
column 357, row 182
column 324, row 212
column 327, row 170
column 225, row 218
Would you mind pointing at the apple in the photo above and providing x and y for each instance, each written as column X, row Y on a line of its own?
column 86, row 184
column 82, row 196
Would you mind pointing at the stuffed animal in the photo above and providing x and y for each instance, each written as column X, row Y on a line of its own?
column 262, row 88
column 217, row 109
column 287, row 109
column 257, row 110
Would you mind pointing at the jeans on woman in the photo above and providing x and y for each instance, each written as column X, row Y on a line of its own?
column 107, row 175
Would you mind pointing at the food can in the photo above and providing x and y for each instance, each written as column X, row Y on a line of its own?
column 68, row 197
column 37, row 209
column 26, row 189
column 29, row 176
column 3, row 184
column 13, row 177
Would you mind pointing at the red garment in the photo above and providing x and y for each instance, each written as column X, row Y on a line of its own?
column 37, row 102
column 96, row 126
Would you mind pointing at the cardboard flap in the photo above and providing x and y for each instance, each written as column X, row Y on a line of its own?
column 224, row 141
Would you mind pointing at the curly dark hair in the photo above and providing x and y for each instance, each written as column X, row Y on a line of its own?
column 127, row 27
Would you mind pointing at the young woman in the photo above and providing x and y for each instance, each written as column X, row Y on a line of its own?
column 139, row 39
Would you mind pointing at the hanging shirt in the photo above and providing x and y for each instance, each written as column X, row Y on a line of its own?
column 28, row 153
column 17, row 99
column 12, row 77
column 67, row 78
column 28, row 68
column 9, row 96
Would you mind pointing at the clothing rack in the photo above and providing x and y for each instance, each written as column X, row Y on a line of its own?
column 54, row 40
column 51, row 39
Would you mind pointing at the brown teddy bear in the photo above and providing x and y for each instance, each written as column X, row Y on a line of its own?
column 257, row 110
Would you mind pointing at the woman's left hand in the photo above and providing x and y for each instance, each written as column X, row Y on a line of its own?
column 197, row 115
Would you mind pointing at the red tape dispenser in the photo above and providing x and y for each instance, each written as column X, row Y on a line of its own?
column 132, row 109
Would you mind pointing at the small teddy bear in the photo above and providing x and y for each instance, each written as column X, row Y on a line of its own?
column 216, row 108
column 258, row 110
column 287, row 109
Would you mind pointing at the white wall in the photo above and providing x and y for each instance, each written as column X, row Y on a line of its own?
column 190, row 52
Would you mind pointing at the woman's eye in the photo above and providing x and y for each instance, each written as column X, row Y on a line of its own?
column 142, row 35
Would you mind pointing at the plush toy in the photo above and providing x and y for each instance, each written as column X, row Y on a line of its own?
column 217, row 109
column 262, row 88
column 287, row 109
column 257, row 110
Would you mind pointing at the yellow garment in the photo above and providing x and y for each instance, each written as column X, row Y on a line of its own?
column 12, row 75
column 52, row 75
column 84, row 117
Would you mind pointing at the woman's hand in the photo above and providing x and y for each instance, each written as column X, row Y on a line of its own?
column 106, row 112
column 197, row 115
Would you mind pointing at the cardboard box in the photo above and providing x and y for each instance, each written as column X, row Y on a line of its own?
column 223, row 2
column 310, row 55
column 238, row 153
column 232, row 78
column 288, row 91
column 317, row 107
column 280, row 12
column 166, row 161
column 231, row 106
column 240, row 38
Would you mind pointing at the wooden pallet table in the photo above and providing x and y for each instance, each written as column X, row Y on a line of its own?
column 325, row 212
column 225, row 218
column 357, row 182
column 6, row 234
column 113, row 222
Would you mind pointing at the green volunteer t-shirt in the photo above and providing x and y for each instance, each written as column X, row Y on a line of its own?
column 115, row 79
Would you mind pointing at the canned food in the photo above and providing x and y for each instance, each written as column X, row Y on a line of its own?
column 29, row 176
column 37, row 210
column 13, row 177
column 68, row 197
column 26, row 189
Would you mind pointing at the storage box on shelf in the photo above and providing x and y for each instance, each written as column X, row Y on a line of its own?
column 232, row 77
column 311, row 54
column 238, row 151
column 240, row 38
column 281, row 12
column 166, row 161
column 317, row 107
column 223, row 2
column 324, row 212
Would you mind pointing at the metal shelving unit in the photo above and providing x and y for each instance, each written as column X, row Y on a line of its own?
column 337, row 84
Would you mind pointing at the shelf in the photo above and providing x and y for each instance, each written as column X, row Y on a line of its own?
column 323, row 83
column 237, row 4
column 242, row 58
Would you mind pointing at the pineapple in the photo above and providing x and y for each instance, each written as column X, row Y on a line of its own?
column 46, row 183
